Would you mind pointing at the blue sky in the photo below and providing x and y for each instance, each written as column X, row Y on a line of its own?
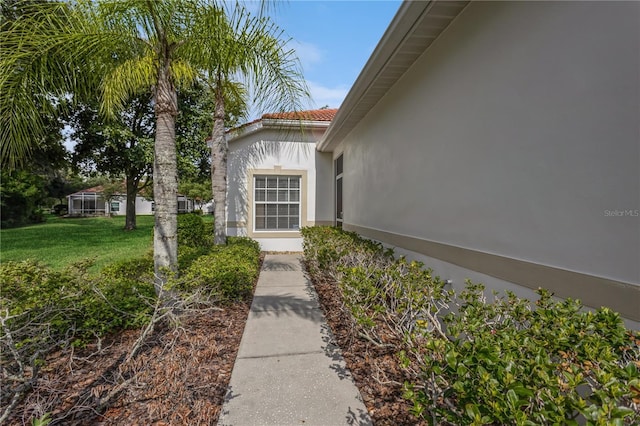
column 334, row 40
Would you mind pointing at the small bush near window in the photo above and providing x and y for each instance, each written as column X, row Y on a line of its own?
column 192, row 231
column 474, row 361
column 227, row 273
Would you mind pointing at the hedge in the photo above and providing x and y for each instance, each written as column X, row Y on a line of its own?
column 474, row 358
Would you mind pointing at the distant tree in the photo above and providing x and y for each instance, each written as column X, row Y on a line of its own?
column 193, row 128
column 20, row 195
column 123, row 146
column 120, row 146
column 200, row 192
column 117, row 49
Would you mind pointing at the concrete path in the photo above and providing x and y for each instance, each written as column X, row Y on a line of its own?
column 288, row 370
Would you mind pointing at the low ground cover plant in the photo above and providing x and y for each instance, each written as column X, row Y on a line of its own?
column 473, row 358
column 43, row 309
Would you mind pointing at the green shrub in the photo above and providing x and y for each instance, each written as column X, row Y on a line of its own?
column 138, row 268
column 470, row 361
column 227, row 272
column 42, row 308
column 208, row 231
column 506, row 363
column 192, row 231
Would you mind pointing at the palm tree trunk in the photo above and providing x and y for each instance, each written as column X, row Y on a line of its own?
column 219, row 150
column 132, row 193
column 165, row 180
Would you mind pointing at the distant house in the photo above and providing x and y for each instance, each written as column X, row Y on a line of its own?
column 496, row 141
column 90, row 202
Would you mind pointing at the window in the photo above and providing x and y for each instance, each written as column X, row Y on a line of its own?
column 276, row 203
column 339, row 170
column 115, row 206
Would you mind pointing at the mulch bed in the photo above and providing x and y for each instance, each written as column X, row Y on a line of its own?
column 181, row 375
column 376, row 370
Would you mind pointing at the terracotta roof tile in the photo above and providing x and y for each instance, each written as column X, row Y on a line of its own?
column 96, row 189
column 312, row 115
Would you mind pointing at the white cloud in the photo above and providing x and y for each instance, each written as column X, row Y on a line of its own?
column 308, row 53
column 322, row 95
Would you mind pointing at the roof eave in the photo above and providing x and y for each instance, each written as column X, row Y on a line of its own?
column 414, row 27
column 276, row 123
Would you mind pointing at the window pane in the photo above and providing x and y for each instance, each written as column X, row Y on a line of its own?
column 259, row 222
column 295, row 182
column 260, row 195
column 261, row 182
column 272, row 209
column 294, row 195
column 272, row 195
column 283, row 222
column 282, row 195
column 272, row 182
column 283, row 182
column 272, row 222
column 294, row 209
column 260, row 209
column 283, row 210
column 294, row 222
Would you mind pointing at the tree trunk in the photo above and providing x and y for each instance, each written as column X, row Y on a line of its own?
column 219, row 150
column 132, row 193
column 165, row 180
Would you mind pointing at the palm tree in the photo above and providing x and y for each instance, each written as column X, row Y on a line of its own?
column 250, row 48
column 114, row 50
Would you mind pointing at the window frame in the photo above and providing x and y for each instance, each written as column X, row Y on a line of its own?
column 278, row 189
column 251, row 201
column 338, row 166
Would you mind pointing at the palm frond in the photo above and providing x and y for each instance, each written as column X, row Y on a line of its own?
column 131, row 77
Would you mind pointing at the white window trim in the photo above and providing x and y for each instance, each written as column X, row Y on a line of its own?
column 280, row 233
column 338, row 220
column 288, row 203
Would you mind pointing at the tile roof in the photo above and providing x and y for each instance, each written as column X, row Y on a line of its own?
column 311, row 115
column 96, row 189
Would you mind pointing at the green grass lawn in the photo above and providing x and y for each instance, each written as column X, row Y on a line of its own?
column 59, row 242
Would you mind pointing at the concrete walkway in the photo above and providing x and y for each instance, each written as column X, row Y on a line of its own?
column 288, row 370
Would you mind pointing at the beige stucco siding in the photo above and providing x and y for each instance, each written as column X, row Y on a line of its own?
column 515, row 134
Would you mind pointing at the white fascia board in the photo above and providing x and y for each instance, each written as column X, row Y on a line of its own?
column 244, row 131
column 270, row 123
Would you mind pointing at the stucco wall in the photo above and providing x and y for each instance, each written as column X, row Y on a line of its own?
column 515, row 134
column 278, row 152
